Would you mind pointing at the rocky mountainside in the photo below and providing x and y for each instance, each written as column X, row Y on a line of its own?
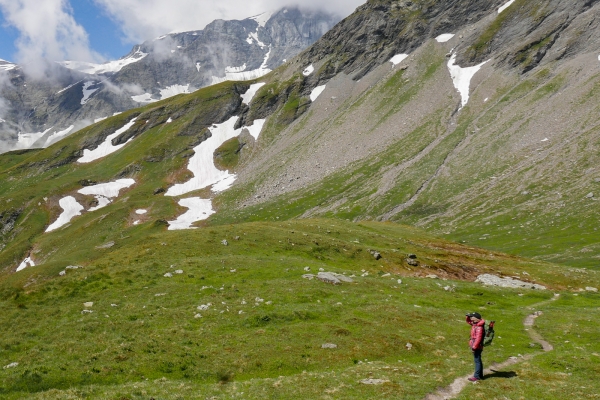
column 37, row 112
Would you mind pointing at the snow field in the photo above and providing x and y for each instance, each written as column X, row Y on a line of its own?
column 199, row 210
column 316, row 92
column 71, row 208
column 165, row 93
column 398, row 58
column 443, row 38
column 106, row 147
column 461, row 77
column 201, row 163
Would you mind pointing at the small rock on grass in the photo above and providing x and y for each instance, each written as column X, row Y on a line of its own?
column 224, row 242
column 591, row 289
column 168, row 275
column 329, row 346
column 11, row 365
column 88, row 304
column 372, row 381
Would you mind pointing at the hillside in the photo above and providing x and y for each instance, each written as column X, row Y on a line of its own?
column 160, row 253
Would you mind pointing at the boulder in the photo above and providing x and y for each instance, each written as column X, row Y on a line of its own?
column 508, row 282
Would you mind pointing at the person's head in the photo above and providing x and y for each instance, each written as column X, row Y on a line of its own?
column 475, row 317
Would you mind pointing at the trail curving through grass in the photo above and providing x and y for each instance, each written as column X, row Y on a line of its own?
column 454, row 389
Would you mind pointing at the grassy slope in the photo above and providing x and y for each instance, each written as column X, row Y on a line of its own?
column 150, row 345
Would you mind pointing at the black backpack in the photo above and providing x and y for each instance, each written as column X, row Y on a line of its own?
column 488, row 333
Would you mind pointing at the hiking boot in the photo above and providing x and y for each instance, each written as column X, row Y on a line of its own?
column 473, row 379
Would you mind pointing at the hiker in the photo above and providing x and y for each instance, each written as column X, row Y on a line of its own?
column 476, row 343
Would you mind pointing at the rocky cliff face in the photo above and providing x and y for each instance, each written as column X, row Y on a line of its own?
column 36, row 113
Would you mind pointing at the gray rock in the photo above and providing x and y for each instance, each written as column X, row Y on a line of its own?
column 412, row 262
column 329, row 346
column 591, row 289
column 590, row 195
column 224, row 242
column 308, row 276
column 412, row 256
column 508, row 282
column 106, row 245
column 328, row 277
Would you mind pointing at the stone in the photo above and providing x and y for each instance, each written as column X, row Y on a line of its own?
column 408, row 346
column 159, row 191
column 329, row 346
column 168, row 275
column 589, row 195
column 179, row 271
column 328, row 278
column 73, row 267
column 308, row 276
column 197, row 316
column 11, row 365
column 106, row 245
column 508, row 282
column 88, row 304
column 412, row 256
column 412, row 262
column 307, row 269
column 591, row 289
column 62, row 273
column 432, row 276
column 377, row 255
column 224, row 242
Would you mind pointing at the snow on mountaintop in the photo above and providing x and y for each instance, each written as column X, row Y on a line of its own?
column 262, row 19
column 107, row 67
column 7, row 65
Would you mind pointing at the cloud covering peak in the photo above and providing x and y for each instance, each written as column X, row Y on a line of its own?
column 47, row 30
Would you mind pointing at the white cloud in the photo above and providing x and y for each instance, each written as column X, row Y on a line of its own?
column 147, row 19
column 47, row 30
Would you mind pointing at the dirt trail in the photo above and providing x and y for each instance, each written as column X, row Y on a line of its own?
column 454, row 389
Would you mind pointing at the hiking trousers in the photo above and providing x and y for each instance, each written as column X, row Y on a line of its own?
column 478, row 364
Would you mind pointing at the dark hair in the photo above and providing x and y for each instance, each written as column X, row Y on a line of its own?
column 475, row 315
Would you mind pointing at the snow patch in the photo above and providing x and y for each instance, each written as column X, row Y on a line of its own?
column 104, row 192
column 28, row 262
column 398, row 58
column 251, row 92
column 461, row 77
column 444, row 37
column 253, row 36
column 308, row 70
column 106, row 147
column 316, row 92
column 505, row 6
column 68, row 87
column 198, row 66
column 256, row 128
column 56, row 136
column 245, row 75
column 108, row 67
column 99, row 119
column 545, row 140
column 199, row 210
column 71, row 208
column 141, row 211
column 143, row 98
column 6, row 65
column 169, row 120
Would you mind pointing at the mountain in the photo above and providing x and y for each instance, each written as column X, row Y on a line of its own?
column 322, row 230
column 75, row 94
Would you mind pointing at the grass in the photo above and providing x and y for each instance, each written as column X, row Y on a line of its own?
column 149, row 344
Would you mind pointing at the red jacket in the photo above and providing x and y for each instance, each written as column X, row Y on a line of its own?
column 477, row 333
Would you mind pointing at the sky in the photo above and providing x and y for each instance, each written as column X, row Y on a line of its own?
column 101, row 30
